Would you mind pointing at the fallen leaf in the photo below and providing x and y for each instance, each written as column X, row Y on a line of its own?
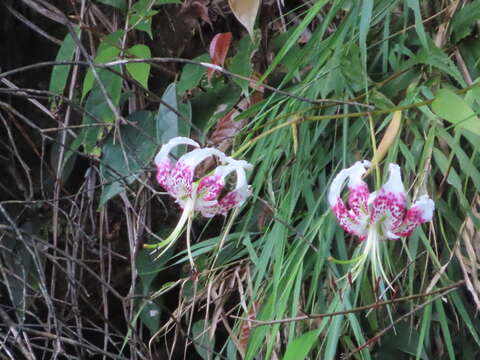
column 246, row 12
column 218, row 50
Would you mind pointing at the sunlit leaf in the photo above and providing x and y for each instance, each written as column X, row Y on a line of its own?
column 455, row 110
column 246, row 12
column 301, row 346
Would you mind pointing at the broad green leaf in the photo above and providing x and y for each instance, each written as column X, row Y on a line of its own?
column 108, row 50
column 119, row 4
column 97, row 110
column 242, row 62
column 201, row 340
column 59, row 75
column 167, row 118
column 301, row 346
column 150, row 316
column 125, row 158
column 209, row 106
column 455, row 110
column 141, row 16
column 192, row 75
column 140, row 71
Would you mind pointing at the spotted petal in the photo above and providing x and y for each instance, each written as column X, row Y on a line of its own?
column 421, row 212
column 179, row 183
column 387, row 206
column 163, row 162
column 354, row 219
column 234, row 198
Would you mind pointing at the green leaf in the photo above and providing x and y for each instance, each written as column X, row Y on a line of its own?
column 455, row 110
column 241, row 63
column 123, row 160
column 464, row 20
column 192, row 74
column 59, row 76
column 365, row 19
column 108, row 50
column 203, row 344
column 167, row 118
column 213, row 104
column 415, row 6
column 141, row 16
column 97, row 110
column 301, row 346
column 150, row 316
column 140, row 71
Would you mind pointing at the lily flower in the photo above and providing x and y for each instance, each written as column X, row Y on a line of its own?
column 376, row 216
column 195, row 193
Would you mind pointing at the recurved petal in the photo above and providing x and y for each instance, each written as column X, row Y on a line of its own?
column 421, row 212
column 388, row 205
column 355, row 219
column 234, row 198
column 163, row 154
column 354, row 176
column 195, row 157
column 210, row 186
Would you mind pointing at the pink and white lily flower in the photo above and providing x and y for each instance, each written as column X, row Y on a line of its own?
column 376, row 216
column 201, row 194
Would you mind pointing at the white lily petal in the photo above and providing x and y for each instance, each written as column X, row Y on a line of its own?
column 240, row 163
column 426, row 206
column 353, row 174
column 394, row 183
column 242, row 188
column 195, row 157
column 165, row 150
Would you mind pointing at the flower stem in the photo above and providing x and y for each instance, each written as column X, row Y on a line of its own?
column 175, row 234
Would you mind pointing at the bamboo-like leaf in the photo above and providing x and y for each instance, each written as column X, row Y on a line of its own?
column 246, row 12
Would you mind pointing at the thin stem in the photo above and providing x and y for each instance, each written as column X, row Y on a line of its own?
column 189, row 249
column 168, row 242
column 443, row 291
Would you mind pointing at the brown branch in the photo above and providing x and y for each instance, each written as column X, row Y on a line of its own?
column 183, row 61
column 448, row 288
column 373, row 339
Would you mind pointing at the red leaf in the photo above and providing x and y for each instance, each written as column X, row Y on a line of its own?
column 218, row 50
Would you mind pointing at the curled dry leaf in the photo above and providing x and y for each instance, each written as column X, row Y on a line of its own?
column 246, row 328
column 388, row 139
column 192, row 11
column 470, row 246
column 246, row 12
column 227, row 127
column 219, row 47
